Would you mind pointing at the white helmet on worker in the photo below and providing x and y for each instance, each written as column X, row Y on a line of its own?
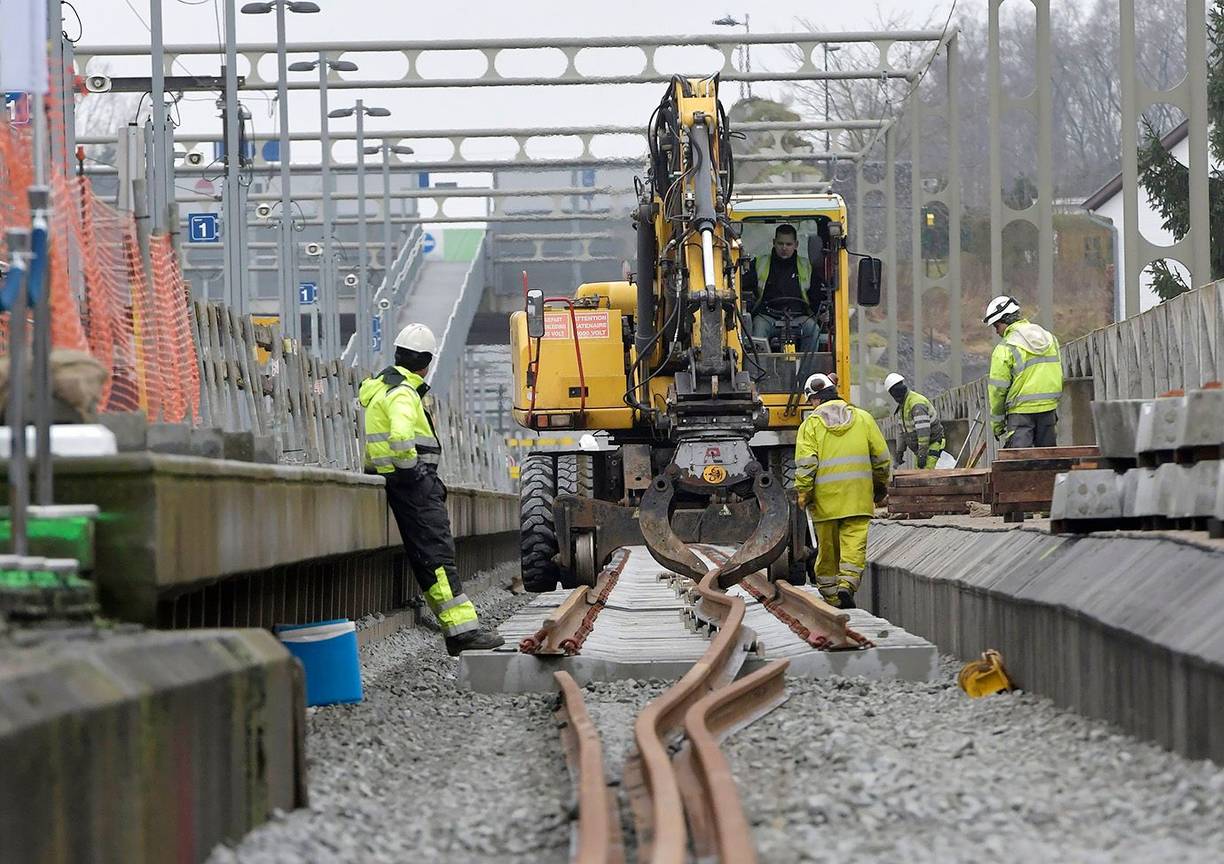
column 418, row 338
column 893, row 379
column 816, row 384
column 998, row 307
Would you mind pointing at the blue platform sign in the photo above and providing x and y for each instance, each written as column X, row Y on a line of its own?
column 376, row 333
column 308, row 293
column 203, row 227
column 428, row 244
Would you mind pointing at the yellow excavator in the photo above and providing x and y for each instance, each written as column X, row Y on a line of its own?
column 693, row 419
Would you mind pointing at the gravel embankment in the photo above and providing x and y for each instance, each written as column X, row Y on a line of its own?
column 424, row 771
column 845, row 770
column 851, row 770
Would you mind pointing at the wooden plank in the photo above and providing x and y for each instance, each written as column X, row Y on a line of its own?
column 1004, row 469
column 953, row 501
column 1047, row 453
column 953, row 475
column 1023, row 496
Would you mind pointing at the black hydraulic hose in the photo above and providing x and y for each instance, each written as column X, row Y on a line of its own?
column 647, row 306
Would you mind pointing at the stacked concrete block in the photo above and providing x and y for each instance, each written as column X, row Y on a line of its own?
column 1167, row 457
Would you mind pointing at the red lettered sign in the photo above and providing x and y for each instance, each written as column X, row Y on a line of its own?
column 591, row 325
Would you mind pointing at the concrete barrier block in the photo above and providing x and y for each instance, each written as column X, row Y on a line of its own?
column 1117, row 423
column 239, row 446
column 170, row 438
column 1191, row 489
column 1151, row 495
column 130, row 429
column 1133, row 481
column 1159, row 421
column 1087, row 495
column 265, row 450
column 1201, row 420
column 120, row 746
column 208, row 441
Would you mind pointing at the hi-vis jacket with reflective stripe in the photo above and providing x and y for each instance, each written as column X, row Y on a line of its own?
column 399, row 433
column 1025, row 373
column 840, row 455
column 920, row 423
column 803, row 268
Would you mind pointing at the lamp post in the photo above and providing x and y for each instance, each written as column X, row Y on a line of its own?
column 364, row 331
column 291, row 325
column 386, row 150
column 327, row 272
column 828, row 49
column 732, row 21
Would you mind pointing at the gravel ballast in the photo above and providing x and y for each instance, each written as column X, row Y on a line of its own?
column 880, row 771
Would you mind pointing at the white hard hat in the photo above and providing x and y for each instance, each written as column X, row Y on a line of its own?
column 1000, row 306
column 816, row 383
column 417, row 337
column 588, row 442
column 893, row 379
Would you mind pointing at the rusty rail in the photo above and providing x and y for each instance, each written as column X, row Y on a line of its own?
column 822, row 626
column 564, row 631
column 597, row 834
column 651, row 776
column 715, row 815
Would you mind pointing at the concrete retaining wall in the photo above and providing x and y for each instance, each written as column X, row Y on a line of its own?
column 173, row 523
column 1126, row 627
column 146, row 746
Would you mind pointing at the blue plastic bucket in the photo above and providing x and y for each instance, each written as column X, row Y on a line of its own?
column 328, row 651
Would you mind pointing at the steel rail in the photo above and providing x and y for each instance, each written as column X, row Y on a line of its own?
column 597, row 835
column 651, row 780
column 717, row 824
column 567, row 627
column 822, row 626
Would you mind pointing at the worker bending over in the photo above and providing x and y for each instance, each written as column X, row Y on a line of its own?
column 921, row 430
column 401, row 445
column 1026, row 378
column 841, row 468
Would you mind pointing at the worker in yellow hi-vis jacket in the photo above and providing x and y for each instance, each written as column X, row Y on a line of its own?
column 401, row 446
column 841, row 469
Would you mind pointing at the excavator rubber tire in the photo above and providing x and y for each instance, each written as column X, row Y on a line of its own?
column 569, row 482
column 537, row 534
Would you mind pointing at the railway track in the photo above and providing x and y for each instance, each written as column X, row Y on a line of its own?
column 689, row 798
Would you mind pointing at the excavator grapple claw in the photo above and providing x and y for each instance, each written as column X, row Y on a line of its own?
column 759, row 550
column 654, row 517
column 770, row 538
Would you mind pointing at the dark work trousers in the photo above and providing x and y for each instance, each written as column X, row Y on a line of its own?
column 1032, row 430
column 418, row 501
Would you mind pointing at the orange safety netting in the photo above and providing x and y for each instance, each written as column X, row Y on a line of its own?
column 136, row 323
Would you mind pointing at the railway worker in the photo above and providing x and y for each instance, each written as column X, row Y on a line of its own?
column 784, row 282
column 401, row 445
column 1026, row 378
column 841, row 470
column 921, row 430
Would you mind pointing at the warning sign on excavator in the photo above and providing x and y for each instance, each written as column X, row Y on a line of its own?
column 714, row 474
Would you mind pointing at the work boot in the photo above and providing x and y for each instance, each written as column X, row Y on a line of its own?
column 845, row 599
column 473, row 640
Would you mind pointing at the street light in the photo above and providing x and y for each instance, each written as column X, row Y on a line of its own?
column 732, row 21
column 291, row 325
column 330, row 343
column 828, row 49
column 365, row 336
column 387, row 149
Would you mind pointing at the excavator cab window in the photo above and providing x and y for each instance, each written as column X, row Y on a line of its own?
column 788, row 287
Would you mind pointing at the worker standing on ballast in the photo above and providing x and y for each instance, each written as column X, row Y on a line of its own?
column 841, row 470
column 1026, row 378
column 401, row 445
column 921, row 430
